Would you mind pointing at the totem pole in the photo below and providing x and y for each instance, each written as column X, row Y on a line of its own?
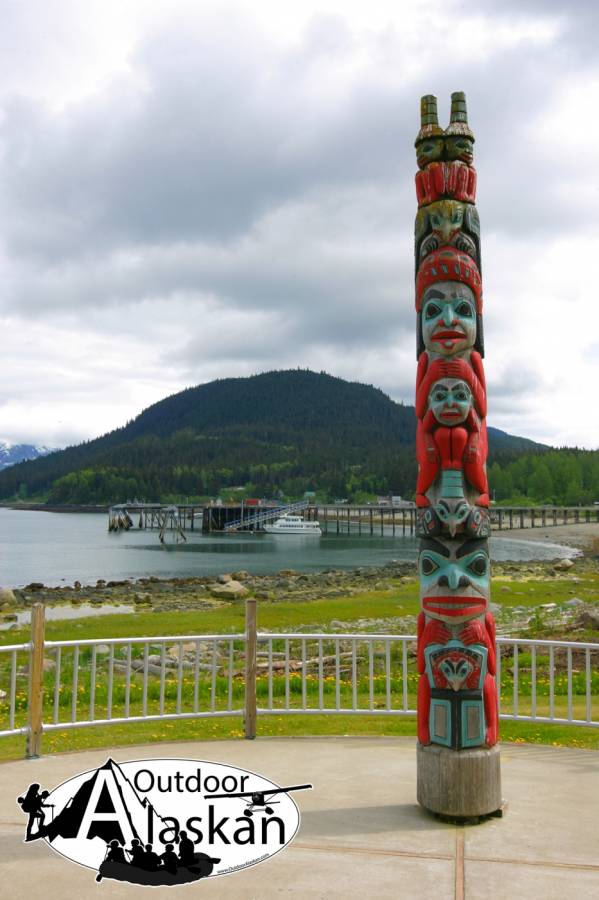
column 458, row 757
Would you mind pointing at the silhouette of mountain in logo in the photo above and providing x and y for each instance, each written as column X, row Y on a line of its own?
column 142, row 821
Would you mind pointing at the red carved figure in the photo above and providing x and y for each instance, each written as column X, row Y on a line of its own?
column 450, row 438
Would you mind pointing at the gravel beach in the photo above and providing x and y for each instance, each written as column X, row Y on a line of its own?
column 584, row 537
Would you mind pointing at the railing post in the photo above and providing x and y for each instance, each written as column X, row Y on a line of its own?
column 250, row 669
column 36, row 681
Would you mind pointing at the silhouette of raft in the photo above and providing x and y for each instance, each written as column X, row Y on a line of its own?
column 200, row 868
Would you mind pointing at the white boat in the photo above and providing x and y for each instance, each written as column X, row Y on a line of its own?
column 293, row 525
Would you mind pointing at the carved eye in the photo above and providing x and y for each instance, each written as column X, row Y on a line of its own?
column 432, row 310
column 461, row 395
column 427, row 565
column 464, row 310
column 439, row 396
column 478, row 566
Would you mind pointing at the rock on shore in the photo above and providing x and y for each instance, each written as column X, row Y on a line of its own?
column 206, row 593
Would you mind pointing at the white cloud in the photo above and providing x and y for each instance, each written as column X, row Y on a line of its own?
column 191, row 191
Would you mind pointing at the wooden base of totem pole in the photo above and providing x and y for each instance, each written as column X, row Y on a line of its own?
column 461, row 784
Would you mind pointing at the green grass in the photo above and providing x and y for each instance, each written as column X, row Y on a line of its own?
column 532, row 592
column 287, row 615
column 200, row 730
column 273, row 724
column 401, row 600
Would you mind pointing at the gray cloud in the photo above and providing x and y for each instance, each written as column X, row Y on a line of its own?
column 231, row 202
column 201, row 143
column 201, row 151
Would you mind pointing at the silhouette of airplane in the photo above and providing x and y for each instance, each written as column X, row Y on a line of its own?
column 260, row 799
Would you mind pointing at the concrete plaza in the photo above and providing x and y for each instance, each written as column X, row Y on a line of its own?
column 362, row 833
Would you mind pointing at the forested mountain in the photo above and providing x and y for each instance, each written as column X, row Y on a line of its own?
column 288, row 431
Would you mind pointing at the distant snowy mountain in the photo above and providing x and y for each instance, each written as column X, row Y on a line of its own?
column 15, row 453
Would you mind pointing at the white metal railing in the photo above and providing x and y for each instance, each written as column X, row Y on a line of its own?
column 12, row 658
column 549, row 681
column 351, row 674
column 556, row 681
column 143, row 680
column 52, row 685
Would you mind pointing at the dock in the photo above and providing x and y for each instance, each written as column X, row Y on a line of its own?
column 175, row 517
column 334, row 518
column 370, row 519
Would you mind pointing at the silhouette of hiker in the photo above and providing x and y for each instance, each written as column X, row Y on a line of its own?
column 137, row 854
column 170, row 860
column 151, row 860
column 186, row 850
column 115, row 853
column 33, row 803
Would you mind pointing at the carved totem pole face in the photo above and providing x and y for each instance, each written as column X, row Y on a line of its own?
column 450, row 401
column 429, row 150
column 448, row 318
column 460, row 147
column 454, row 579
column 447, row 223
column 446, row 219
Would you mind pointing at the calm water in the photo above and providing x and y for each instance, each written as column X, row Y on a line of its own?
column 60, row 612
column 60, row 548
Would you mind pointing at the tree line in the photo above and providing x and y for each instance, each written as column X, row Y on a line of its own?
column 282, row 434
column 559, row 477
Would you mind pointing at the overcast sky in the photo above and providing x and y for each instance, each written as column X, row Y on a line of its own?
column 196, row 190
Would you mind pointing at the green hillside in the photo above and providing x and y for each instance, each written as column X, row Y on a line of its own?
column 288, row 431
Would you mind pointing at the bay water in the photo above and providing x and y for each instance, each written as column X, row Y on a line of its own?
column 61, row 548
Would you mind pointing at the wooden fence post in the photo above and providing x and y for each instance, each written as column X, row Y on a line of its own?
column 250, row 669
column 36, row 681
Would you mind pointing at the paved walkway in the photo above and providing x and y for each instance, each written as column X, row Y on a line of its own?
column 362, row 833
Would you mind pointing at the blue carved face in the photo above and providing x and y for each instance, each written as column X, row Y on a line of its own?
column 448, row 318
column 454, row 579
column 450, row 401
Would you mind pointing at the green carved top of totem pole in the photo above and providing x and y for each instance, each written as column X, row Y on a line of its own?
column 456, row 142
